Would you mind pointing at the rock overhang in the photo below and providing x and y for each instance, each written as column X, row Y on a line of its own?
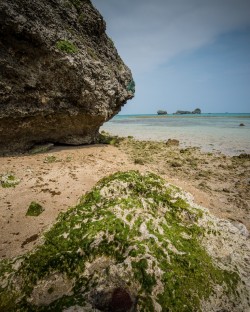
column 61, row 75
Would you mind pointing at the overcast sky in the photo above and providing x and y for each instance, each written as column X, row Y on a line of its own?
column 183, row 53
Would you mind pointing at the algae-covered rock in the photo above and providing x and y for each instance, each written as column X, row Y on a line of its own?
column 8, row 180
column 34, row 209
column 134, row 243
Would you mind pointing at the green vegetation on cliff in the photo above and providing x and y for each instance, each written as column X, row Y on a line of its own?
column 66, row 46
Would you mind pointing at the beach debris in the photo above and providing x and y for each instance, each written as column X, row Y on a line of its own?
column 134, row 242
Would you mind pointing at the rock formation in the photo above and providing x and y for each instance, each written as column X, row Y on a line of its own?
column 134, row 243
column 172, row 142
column 61, row 76
column 196, row 111
column 162, row 112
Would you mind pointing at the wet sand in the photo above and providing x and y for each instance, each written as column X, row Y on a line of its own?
column 58, row 178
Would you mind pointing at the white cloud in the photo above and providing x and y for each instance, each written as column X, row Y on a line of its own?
column 149, row 33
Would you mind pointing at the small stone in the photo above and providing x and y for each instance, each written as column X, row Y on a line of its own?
column 172, row 142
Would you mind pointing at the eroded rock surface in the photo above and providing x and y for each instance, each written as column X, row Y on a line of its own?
column 60, row 75
column 134, row 243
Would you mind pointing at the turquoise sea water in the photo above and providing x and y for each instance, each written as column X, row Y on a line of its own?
column 210, row 132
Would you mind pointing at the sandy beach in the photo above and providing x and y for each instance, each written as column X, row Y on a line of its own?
column 58, row 178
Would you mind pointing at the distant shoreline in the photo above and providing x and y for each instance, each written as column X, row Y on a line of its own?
column 227, row 133
column 186, row 116
column 203, row 115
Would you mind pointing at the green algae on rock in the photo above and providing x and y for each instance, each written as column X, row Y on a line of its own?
column 34, row 209
column 9, row 180
column 135, row 241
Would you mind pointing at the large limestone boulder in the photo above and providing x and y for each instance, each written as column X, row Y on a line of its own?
column 61, row 76
column 134, row 243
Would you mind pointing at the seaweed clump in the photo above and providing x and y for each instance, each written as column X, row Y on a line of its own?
column 34, row 210
column 133, row 238
column 9, row 180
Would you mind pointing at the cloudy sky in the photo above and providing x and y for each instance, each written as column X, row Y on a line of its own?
column 183, row 53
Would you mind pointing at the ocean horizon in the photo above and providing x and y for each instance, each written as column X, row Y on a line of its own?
column 227, row 133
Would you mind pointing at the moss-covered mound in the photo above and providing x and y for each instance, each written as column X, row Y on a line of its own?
column 133, row 242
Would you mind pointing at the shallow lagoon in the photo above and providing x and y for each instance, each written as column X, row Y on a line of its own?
column 210, row 132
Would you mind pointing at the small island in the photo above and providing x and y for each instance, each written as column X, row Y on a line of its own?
column 162, row 112
column 180, row 112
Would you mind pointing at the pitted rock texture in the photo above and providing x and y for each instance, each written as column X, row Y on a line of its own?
column 60, row 75
column 134, row 243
